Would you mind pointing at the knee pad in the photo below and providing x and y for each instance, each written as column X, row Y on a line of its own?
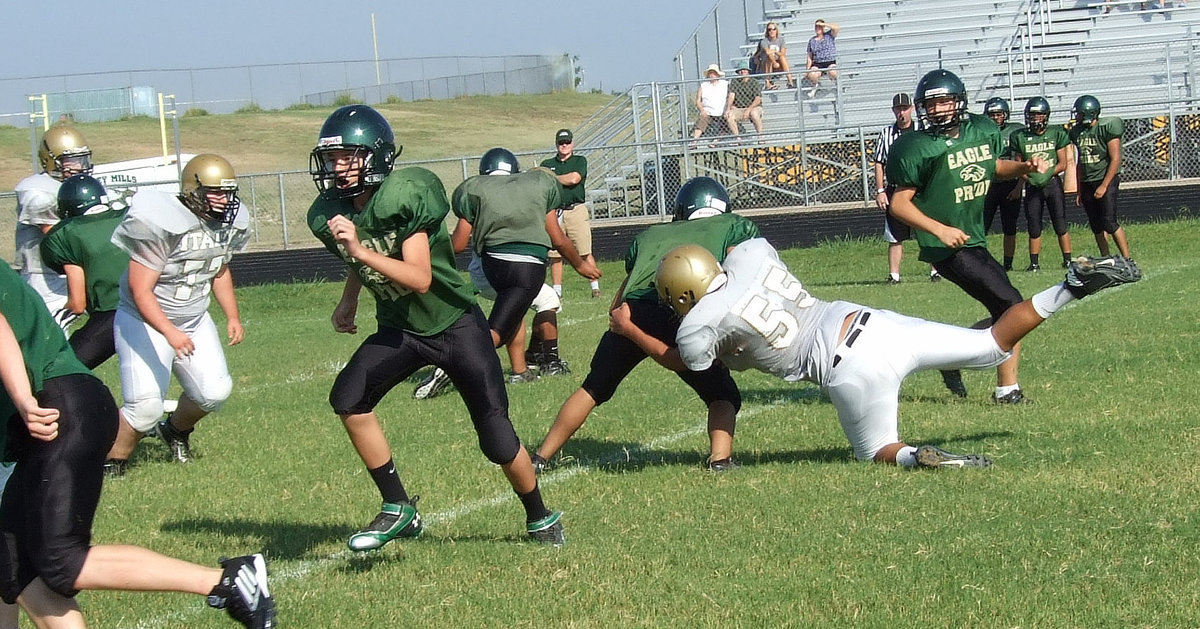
column 213, row 395
column 500, row 446
column 546, row 299
column 143, row 414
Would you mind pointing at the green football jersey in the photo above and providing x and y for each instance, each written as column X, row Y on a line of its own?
column 507, row 213
column 408, row 201
column 1006, row 133
column 1093, row 146
column 952, row 177
column 43, row 346
column 1026, row 145
column 715, row 233
column 86, row 241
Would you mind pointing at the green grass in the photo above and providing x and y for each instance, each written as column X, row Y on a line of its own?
column 1088, row 518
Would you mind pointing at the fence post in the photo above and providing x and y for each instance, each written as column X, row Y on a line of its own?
column 283, row 210
column 1172, row 171
column 862, row 151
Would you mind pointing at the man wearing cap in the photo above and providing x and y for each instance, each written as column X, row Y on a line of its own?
column 711, row 99
column 894, row 231
column 745, row 100
column 573, row 215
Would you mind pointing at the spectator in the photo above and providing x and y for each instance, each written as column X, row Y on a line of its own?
column 1098, row 141
column 711, row 98
column 822, row 54
column 574, row 216
column 745, row 101
column 771, row 56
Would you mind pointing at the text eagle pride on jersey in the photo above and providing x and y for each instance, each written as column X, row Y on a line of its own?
column 975, row 178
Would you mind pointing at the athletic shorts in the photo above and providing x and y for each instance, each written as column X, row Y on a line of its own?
column 1102, row 212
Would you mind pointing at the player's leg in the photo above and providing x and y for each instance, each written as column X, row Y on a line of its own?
column 145, row 359
column 895, row 233
column 1094, row 210
column 1034, row 205
column 1010, row 212
column 206, row 382
column 1056, row 204
column 1108, row 205
column 723, row 400
column 516, row 284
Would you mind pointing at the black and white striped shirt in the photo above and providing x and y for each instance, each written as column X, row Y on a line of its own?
column 887, row 136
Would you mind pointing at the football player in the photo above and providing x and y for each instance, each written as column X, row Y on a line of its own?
column 1098, row 141
column 63, row 152
column 942, row 175
column 389, row 229
column 1005, row 195
column 751, row 313
column 62, row 422
column 702, row 216
column 81, row 248
column 179, row 247
column 1043, row 190
column 514, row 223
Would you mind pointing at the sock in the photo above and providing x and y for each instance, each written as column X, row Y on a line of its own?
column 558, row 289
column 895, row 276
column 595, row 284
column 388, row 482
column 1033, row 258
column 1008, row 263
column 1050, row 300
column 1005, row 390
column 535, row 509
column 175, row 429
column 906, row 457
column 932, row 272
column 550, row 349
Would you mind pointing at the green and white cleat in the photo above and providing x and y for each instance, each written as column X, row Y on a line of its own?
column 548, row 530
column 395, row 519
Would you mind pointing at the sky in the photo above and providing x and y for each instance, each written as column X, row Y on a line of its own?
column 620, row 42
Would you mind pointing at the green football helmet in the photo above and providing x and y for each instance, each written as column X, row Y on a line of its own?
column 939, row 84
column 700, row 197
column 1037, row 114
column 684, row 275
column 997, row 107
column 360, row 136
column 498, row 161
column 78, row 194
column 1086, row 110
column 206, row 177
column 64, row 152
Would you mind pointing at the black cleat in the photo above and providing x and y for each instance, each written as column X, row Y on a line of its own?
column 726, row 464
column 952, row 378
column 243, row 592
column 548, row 530
column 934, row 457
column 891, row 281
column 528, row 375
column 555, row 367
column 1012, row 397
column 1033, row 268
column 115, row 468
column 539, row 464
column 177, row 440
column 1088, row 276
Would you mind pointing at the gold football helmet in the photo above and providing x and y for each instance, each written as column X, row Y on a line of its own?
column 208, row 187
column 684, row 275
column 64, row 152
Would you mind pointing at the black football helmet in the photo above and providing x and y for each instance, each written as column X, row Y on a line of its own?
column 78, row 194
column 498, row 161
column 997, row 108
column 64, row 152
column 1037, row 114
column 207, row 176
column 935, row 85
column 1086, row 110
column 684, row 275
column 700, row 197
column 368, row 138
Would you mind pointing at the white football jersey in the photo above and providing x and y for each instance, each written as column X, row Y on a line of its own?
column 762, row 318
column 37, row 205
column 161, row 233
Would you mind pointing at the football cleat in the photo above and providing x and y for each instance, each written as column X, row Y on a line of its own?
column 1012, row 397
column 525, row 376
column 548, row 530
column 243, row 592
column 533, row 358
column 952, row 378
column 395, row 519
column 1088, row 276
column 176, row 440
column 433, row 385
column 934, row 457
column 1033, row 268
column 935, row 277
column 556, row 367
column 892, row 281
column 115, row 468
column 726, row 464
column 539, row 464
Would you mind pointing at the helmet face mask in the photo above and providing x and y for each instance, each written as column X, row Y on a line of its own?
column 1086, row 110
column 78, row 194
column 684, row 276
column 700, row 197
column 63, row 152
column 997, row 109
column 208, row 188
column 355, row 152
column 1037, row 114
column 941, row 101
column 499, row 161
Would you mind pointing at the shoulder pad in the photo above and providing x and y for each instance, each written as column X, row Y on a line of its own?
column 161, row 211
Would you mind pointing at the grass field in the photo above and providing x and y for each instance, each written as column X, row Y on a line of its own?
column 1088, row 518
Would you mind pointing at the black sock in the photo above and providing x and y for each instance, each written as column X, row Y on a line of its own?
column 1033, row 258
column 177, row 432
column 535, row 509
column 1066, row 256
column 550, row 350
column 388, row 482
column 1008, row 262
